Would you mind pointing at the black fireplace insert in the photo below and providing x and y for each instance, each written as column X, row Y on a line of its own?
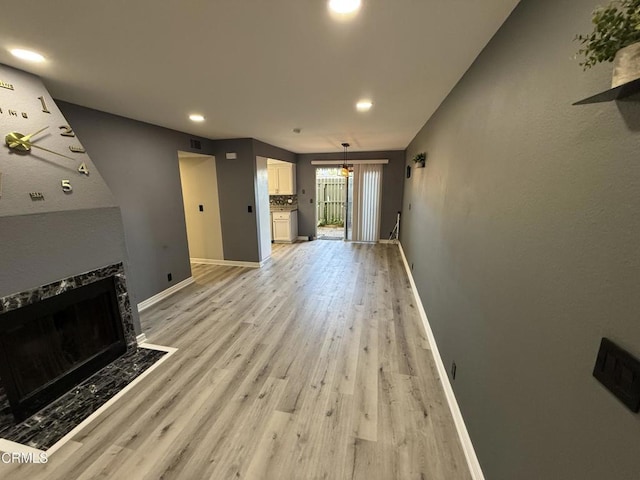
column 48, row 347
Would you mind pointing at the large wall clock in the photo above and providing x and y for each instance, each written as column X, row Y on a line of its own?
column 43, row 165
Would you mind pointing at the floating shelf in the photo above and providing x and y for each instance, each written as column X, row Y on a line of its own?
column 617, row 93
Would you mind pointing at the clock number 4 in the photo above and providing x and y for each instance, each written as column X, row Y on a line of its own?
column 83, row 168
column 68, row 131
column 66, row 186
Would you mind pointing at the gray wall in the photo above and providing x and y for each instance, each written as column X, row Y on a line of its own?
column 139, row 162
column 270, row 151
column 392, row 181
column 523, row 231
column 236, row 192
column 43, row 248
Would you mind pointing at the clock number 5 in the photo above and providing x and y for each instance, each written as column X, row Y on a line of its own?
column 66, row 186
column 68, row 131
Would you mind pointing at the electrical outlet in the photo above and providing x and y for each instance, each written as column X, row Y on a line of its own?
column 201, row 208
column 169, row 277
column 453, row 370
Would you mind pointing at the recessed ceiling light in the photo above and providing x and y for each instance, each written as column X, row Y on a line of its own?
column 27, row 55
column 196, row 118
column 344, row 6
column 364, row 105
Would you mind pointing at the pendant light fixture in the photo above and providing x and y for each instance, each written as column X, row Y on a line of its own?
column 345, row 168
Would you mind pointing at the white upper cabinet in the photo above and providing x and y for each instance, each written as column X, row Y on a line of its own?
column 282, row 179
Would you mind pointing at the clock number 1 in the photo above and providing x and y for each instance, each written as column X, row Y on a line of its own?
column 44, row 105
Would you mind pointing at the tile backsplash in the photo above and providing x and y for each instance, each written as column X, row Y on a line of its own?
column 283, row 199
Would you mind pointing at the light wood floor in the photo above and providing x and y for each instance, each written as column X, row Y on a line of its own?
column 315, row 366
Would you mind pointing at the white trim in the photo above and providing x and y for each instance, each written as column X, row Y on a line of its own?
column 463, row 433
column 303, row 238
column 170, row 351
column 9, row 446
column 349, row 162
column 140, row 339
column 164, row 294
column 386, row 240
column 184, row 154
column 229, row 263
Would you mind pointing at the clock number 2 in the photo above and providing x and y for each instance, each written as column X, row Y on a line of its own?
column 68, row 131
column 44, row 105
column 66, row 186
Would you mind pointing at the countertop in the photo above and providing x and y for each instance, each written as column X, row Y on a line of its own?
column 283, row 208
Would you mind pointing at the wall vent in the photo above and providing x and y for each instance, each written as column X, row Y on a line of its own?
column 195, row 144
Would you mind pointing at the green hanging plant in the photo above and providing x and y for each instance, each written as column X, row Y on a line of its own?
column 420, row 158
column 615, row 26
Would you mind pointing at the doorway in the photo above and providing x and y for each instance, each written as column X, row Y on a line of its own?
column 199, row 181
column 263, row 208
column 334, row 201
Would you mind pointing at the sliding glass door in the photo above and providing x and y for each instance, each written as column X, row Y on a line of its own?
column 349, row 207
column 367, row 196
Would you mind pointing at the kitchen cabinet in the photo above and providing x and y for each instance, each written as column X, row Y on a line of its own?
column 282, row 179
column 285, row 226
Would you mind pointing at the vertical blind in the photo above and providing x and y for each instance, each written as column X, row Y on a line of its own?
column 367, row 187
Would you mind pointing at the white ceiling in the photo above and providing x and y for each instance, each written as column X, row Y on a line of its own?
column 258, row 68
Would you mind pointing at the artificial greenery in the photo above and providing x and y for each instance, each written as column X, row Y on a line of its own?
column 422, row 156
column 615, row 26
column 333, row 222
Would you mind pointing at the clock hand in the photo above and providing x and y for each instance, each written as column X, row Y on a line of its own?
column 33, row 145
column 27, row 137
column 20, row 144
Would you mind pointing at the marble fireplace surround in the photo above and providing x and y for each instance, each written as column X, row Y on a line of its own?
column 28, row 297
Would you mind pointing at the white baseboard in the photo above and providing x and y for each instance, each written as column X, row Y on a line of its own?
column 140, row 339
column 386, row 240
column 302, row 238
column 164, row 294
column 463, row 433
column 229, row 263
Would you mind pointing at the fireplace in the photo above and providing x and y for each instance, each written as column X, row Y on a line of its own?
column 48, row 347
column 54, row 336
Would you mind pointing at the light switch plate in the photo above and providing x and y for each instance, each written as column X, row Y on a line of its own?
column 619, row 372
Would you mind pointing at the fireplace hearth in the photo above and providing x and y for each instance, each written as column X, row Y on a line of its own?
column 55, row 336
column 48, row 347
